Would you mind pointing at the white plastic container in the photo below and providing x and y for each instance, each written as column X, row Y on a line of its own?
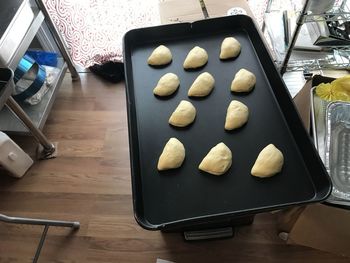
column 12, row 157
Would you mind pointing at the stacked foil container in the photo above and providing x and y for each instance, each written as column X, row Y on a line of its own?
column 331, row 133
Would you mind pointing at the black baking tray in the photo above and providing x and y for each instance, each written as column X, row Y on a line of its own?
column 187, row 197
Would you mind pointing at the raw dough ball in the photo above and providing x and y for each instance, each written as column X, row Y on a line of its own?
column 167, row 85
column 269, row 162
column 184, row 114
column 196, row 58
column 230, row 48
column 172, row 156
column 160, row 56
column 202, row 86
column 244, row 81
column 236, row 116
column 217, row 161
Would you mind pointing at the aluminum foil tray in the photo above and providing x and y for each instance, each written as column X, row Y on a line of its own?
column 331, row 133
column 318, row 116
column 337, row 148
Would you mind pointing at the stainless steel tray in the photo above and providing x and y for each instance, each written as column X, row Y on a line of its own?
column 329, row 140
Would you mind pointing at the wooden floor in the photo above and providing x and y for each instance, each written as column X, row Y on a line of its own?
column 90, row 182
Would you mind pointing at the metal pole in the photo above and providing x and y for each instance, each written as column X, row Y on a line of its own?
column 49, row 147
column 46, row 223
column 204, row 9
column 267, row 10
column 59, row 41
column 42, row 222
column 300, row 22
column 41, row 243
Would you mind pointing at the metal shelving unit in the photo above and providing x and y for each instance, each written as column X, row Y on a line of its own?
column 339, row 11
column 44, row 32
column 331, row 57
column 20, row 22
column 37, row 113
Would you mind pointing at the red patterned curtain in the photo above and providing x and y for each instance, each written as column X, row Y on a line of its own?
column 93, row 29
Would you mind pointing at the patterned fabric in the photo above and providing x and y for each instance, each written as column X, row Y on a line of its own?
column 93, row 29
column 258, row 8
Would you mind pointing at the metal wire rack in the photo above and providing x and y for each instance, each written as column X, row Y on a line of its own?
column 338, row 58
column 340, row 11
column 333, row 57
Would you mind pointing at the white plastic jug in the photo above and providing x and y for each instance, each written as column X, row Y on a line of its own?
column 12, row 157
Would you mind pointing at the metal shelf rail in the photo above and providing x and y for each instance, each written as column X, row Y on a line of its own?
column 337, row 59
column 340, row 11
column 40, row 222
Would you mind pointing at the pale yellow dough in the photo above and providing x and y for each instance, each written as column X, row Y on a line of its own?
column 184, row 114
column 160, row 56
column 244, row 81
column 230, row 48
column 217, row 161
column 196, row 58
column 269, row 162
column 202, row 85
column 236, row 116
column 167, row 85
column 172, row 156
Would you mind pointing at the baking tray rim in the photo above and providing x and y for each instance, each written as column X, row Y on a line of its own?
column 143, row 222
column 217, row 217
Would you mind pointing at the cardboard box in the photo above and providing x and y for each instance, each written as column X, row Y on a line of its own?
column 177, row 11
column 219, row 8
column 318, row 226
column 172, row 11
column 323, row 227
column 302, row 99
